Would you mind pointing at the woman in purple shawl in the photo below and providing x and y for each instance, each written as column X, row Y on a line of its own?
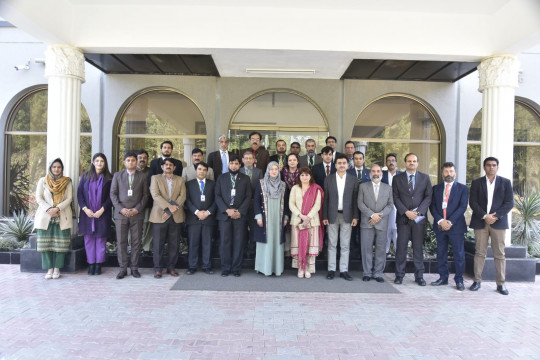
column 95, row 216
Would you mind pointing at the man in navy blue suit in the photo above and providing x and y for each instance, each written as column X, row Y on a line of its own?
column 448, row 206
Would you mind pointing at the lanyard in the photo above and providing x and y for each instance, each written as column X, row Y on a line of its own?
column 130, row 180
column 233, row 181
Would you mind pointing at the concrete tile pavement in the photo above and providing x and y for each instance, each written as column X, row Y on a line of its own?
column 98, row 317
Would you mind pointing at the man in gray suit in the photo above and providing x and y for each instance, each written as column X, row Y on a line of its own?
column 311, row 158
column 375, row 202
column 340, row 213
column 255, row 175
column 189, row 172
column 129, row 194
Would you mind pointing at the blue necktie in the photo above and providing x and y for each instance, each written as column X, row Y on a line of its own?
column 224, row 165
column 202, row 187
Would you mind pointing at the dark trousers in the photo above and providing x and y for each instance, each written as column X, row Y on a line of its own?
column 232, row 236
column 251, row 223
column 458, row 248
column 134, row 227
column 414, row 232
column 199, row 234
column 168, row 232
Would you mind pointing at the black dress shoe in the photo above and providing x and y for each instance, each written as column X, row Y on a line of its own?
column 398, row 280
column 331, row 275
column 135, row 273
column 97, row 269
column 236, row 273
column 460, row 286
column 475, row 286
column 379, row 279
column 345, row 275
column 121, row 274
column 91, row 269
column 440, row 282
column 420, row 281
column 366, row 278
column 225, row 273
column 502, row 290
column 208, row 271
column 190, row 271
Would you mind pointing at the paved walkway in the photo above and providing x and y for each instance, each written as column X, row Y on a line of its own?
column 99, row 317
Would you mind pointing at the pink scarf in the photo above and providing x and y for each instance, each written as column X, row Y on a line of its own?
column 303, row 235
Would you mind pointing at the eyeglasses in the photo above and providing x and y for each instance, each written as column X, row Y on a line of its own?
column 255, row 139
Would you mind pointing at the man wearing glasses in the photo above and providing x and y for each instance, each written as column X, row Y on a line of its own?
column 261, row 155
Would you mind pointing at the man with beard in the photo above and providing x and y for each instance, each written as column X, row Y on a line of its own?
column 166, row 152
column 281, row 156
column 190, row 172
column 448, row 206
column 311, row 158
column 375, row 203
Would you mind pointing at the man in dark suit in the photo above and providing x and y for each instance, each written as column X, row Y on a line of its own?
column 219, row 160
column 200, row 218
column 311, row 158
column 261, row 155
column 340, row 212
column 332, row 142
column 325, row 168
column 388, row 176
column 412, row 197
column 281, row 156
column 166, row 152
column 448, row 205
column 491, row 199
column 129, row 194
column 233, row 196
column 254, row 175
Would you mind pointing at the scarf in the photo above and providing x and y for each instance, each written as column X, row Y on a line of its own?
column 273, row 185
column 303, row 235
column 57, row 185
column 290, row 177
column 95, row 188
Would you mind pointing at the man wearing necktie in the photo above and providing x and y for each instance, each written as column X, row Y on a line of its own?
column 219, row 160
column 448, row 206
column 349, row 152
column 325, row 168
column 311, row 158
column 281, row 156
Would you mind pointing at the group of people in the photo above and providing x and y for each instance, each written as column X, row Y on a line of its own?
column 281, row 205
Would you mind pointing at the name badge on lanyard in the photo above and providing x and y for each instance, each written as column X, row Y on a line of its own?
column 203, row 198
column 233, row 192
column 130, row 192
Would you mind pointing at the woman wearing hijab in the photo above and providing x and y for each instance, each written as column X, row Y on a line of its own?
column 95, row 217
column 270, row 208
column 307, row 234
column 53, row 219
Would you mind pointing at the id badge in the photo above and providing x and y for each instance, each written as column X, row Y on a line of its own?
column 130, row 192
column 203, row 198
column 444, row 205
column 233, row 192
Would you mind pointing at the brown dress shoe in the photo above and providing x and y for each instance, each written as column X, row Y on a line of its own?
column 172, row 272
column 157, row 274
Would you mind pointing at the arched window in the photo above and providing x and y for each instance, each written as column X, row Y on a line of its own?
column 278, row 114
column 154, row 115
column 400, row 124
column 26, row 149
column 526, row 146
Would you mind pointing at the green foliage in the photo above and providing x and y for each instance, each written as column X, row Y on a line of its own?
column 18, row 190
column 17, row 228
column 7, row 244
column 527, row 230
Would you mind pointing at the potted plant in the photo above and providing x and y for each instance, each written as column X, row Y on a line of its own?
column 527, row 229
column 17, row 228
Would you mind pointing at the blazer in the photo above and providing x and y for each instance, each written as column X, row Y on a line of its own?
column 263, row 157
column 368, row 205
column 119, row 193
column 44, row 198
column 194, row 203
column 385, row 176
column 420, row 199
column 242, row 199
column 256, row 175
column 189, row 173
column 214, row 161
column 365, row 175
column 503, row 202
column 330, row 205
column 455, row 209
column 319, row 173
column 296, row 199
column 102, row 226
column 160, row 193
column 304, row 160
column 155, row 167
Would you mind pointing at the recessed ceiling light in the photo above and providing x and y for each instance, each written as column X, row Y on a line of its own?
column 280, row 71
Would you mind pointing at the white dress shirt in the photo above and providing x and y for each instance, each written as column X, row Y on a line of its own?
column 490, row 191
column 341, row 189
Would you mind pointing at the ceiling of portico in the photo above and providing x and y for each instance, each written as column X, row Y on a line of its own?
column 321, row 37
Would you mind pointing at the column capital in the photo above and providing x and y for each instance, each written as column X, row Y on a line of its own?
column 498, row 71
column 64, row 61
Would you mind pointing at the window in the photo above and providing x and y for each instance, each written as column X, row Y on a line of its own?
column 399, row 124
column 526, row 146
column 278, row 114
column 155, row 115
column 26, row 149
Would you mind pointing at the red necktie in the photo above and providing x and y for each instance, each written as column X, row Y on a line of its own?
column 327, row 170
column 446, row 196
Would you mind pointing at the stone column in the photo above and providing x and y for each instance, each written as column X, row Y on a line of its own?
column 189, row 145
column 498, row 81
column 65, row 71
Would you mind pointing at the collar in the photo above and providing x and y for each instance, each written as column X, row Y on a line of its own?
column 131, row 172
